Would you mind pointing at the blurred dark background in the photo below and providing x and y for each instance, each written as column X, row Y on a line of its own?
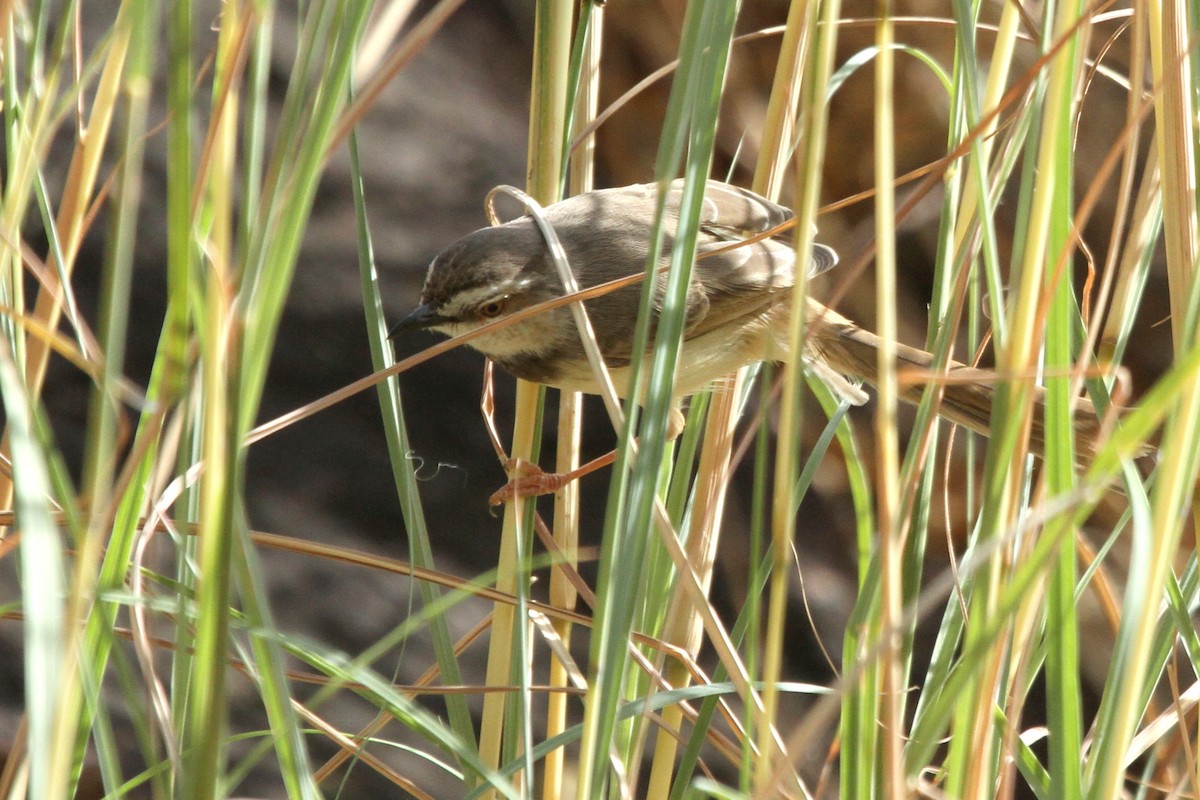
column 450, row 127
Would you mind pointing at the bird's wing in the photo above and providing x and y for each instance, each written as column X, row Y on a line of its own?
column 734, row 210
column 740, row 281
column 729, row 282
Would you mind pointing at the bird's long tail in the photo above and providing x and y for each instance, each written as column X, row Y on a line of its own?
column 968, row 393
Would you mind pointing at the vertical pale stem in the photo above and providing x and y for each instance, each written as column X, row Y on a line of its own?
column 566, row 501
column 810, row 158
column 1174, row 132
column 222, row 370
column 997, row 83
column 683, row 626
column 500, row 656
column 547, row 114
column 562, row 592
column 780, row 122
column 887, row 445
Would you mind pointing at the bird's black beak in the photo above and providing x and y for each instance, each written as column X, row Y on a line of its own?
column 421, row 317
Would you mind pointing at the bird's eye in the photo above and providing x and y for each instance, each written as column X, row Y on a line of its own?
column 492, row 309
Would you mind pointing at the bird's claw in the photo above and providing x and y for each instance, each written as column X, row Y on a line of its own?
column 525, row 480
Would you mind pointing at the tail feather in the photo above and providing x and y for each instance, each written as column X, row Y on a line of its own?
column 968, row 393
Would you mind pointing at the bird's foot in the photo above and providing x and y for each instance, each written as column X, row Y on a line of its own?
column 527, row 479
column 530, row 480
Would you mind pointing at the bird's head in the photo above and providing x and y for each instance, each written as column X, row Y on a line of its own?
column 484, row 276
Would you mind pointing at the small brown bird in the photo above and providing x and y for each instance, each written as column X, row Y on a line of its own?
column 737, row 305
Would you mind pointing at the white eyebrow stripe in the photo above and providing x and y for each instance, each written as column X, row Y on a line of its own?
column 470, row 298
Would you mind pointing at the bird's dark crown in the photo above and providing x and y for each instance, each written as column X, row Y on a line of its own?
column 499, row 257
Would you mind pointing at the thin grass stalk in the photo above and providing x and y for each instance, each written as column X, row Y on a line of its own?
column 1136, row 222
column 972, row 760
column 242, row 312
column 403, row 471
column 756, row 576
column 1171, row 57
column 300, row 97
column 548, row 101
column 809, row 159
column 973, row 242
column 583, row 77
column 945, row 313
column 1111, row 460
column 77, row 194
column 683, row 627
column 984, row 185
column 48, row 111
column 395, row 703
column 181, row 257
column 287, row 736
column 12, row 272
column 15, row 196
column 1027, row 642
column 182, row 261
column 552, row 31
column 218, row 171
column 1156, row 546
column 67, row 755
column 680, row 495
column 562, row 591
column 1086, row 323
column 46, row 623
column 413, row 42
column 517, row 731
column 744, row 631
column 162, row 391
column 978, row 198
column 633, row 506
column 30, row 123
column 381, row 693
column 934, row 680
column 1026, row 579
column 1174, row 67
column 203, row 764
column 1133, row 270
column 660, row 587
column 887, row 439
column 689, row 130
column 104, row 738
column 255, row 110
column 206, row 704
column 1050, row 232
column 386, row 26
column 779, row 130
column 1125, row 216
column 1063, row 689
column 292, row 184
column 782, row 107
column 651, row 705
column 94, row 563
column 427, row 678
